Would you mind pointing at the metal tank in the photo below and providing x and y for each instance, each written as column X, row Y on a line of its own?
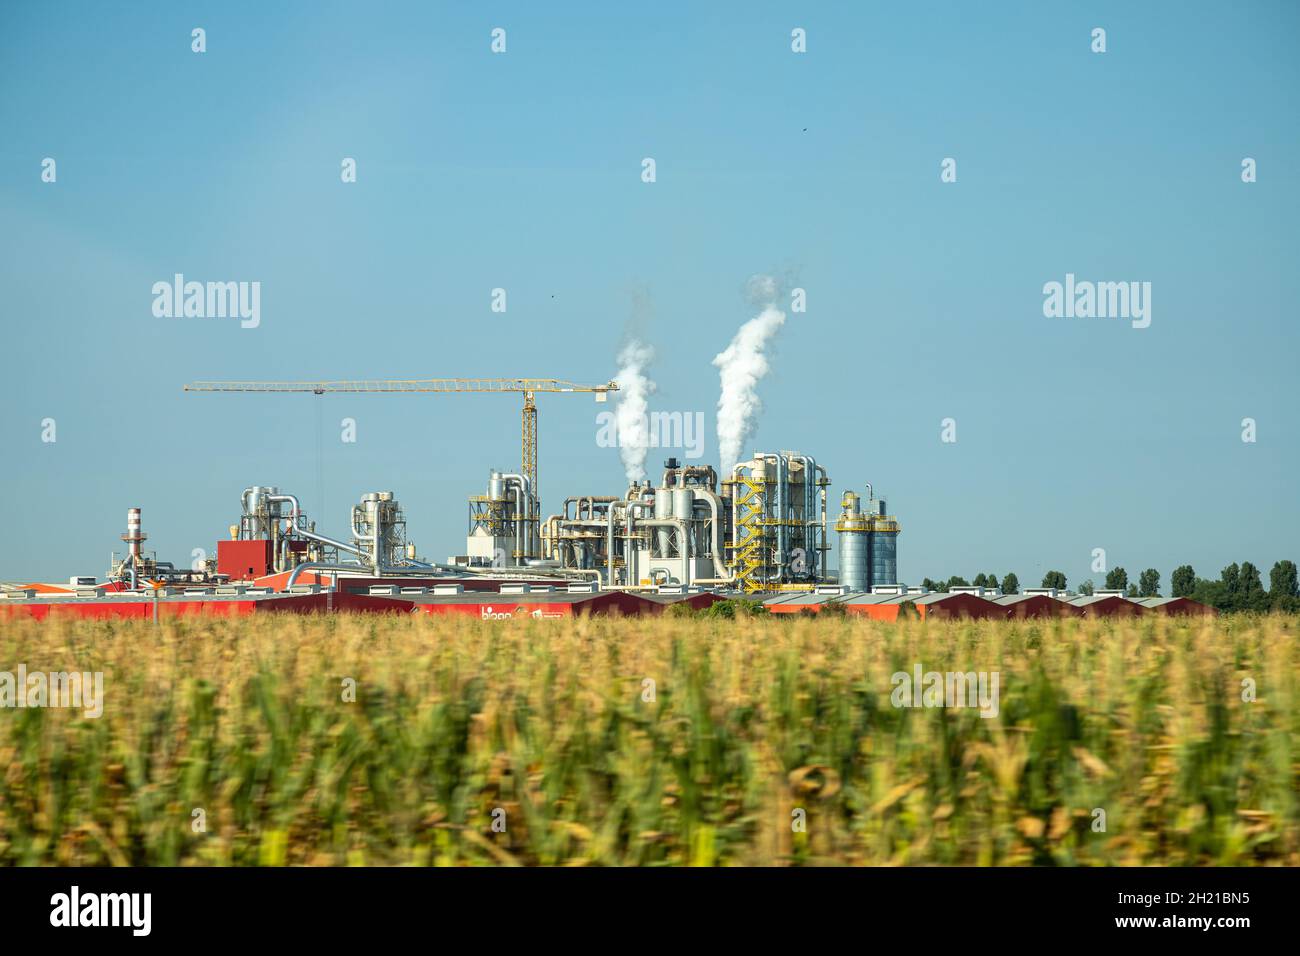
column 884, row 543
column 868, row 543
column 663, row 510
column 683, row 503
column 855, row 545
column 503, row 524
column 379, row 530
column 259, row 512
column 684, row 508
column 884, row 552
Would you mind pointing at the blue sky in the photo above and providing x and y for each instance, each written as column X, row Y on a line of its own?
column 522, row 171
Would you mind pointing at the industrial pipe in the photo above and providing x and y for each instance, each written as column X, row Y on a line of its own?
column 523, row 511
column 550, row 531
column 372, row 514
column 810, row 467
column 385, row 572
column 782, row 531
column 715, row 510
column 295, row 514
column 825, row 541
column 609, row 544
column 584, row 572
column 317, row 566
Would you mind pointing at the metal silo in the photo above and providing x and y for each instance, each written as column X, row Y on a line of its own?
column 663, row 511
column 683, row 503
column 855, row 545
column 884, row 551
column 684, row 508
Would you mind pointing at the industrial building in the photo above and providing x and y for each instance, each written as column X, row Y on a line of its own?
column 1037, row 605
column 965, row 603
column 762, row 528
column 693, row 539
column 509, row 603
column 165, row 603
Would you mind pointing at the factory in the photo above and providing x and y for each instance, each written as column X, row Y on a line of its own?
column 757, row 527
column 693, row 539
column 762, row 528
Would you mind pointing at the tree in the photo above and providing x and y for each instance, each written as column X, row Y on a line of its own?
column 1149, row 583
column 991, row 580
column 1230, row 588
column 1054, row 579
column 1282, row 580
column 1011, row 583
column 956, row 582
column 1282, row 586
column 1211, row 593
column 1132, row 591
column 981, row 581
column 1253, row 596
column 1183, row 581
column 931, row 585
column 1116, row 579
column 1086, row 587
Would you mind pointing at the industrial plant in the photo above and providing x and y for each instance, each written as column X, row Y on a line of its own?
column 759, row 526
column 695, row 538
column 761, row 529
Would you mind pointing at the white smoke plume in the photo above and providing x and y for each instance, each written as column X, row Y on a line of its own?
column 741, row 366
column 631, row 417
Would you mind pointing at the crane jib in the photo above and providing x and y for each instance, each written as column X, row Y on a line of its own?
column 528, row 386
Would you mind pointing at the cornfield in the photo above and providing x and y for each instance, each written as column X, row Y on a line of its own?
column 368, row 740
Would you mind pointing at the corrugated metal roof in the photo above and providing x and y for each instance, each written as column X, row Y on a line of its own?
column 937, row 596
column 807, row 599
column 504, row 599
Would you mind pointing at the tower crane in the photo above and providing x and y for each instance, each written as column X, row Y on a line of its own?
column 528, row 386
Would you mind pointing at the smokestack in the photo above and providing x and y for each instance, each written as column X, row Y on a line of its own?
column 741, row 366
column 134, row 536
column 631, row 417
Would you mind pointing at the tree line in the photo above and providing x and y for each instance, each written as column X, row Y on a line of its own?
column 1238, row 588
